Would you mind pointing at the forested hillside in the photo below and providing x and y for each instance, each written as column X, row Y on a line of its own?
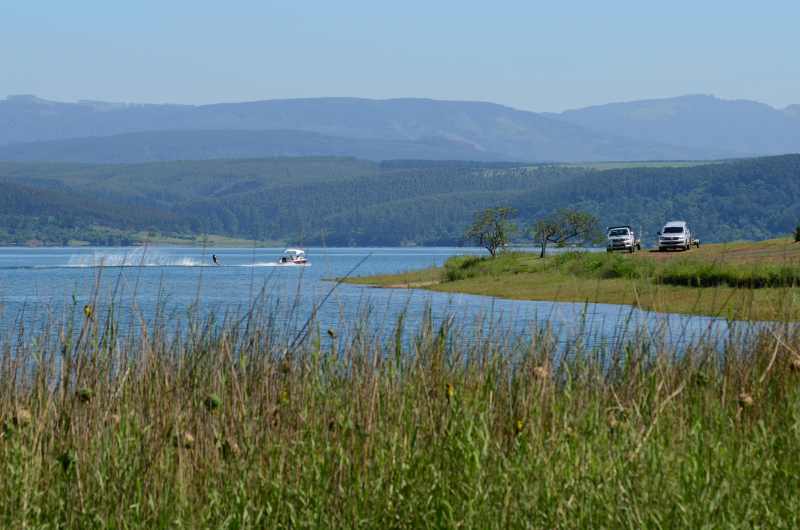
column 154, row 146
column 345, row 201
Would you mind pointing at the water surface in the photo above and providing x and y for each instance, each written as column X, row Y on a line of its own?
column 41, row 283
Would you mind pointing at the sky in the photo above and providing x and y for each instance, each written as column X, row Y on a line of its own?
column 532, row 55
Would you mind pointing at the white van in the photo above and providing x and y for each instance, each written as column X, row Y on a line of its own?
column 676, row 235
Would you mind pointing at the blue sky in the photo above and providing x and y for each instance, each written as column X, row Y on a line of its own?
column 541, row 56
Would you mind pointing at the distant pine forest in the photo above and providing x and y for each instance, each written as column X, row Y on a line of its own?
column 339, row 201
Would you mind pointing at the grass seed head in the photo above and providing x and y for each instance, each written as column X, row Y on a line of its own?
column 541, row 373
column 67, row 459
column 794, row 363
column 84, row 394
column 22, row 417
column 285, row 367
column 746, row 400
column 212, row 402
column 230, row 449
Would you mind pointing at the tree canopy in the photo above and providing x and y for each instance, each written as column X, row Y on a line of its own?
column 492, row 229
column 564, row 226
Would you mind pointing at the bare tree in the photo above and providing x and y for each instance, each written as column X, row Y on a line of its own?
column 564, row 226
column 492, row 229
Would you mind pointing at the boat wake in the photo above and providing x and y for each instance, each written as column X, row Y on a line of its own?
column 275, row 264
column 134, row 258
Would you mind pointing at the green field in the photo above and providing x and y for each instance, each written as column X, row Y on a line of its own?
column 744, row 280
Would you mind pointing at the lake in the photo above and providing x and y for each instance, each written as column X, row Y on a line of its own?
column 37, row 284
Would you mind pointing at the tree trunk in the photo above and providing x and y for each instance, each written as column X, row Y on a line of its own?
column 544, row 246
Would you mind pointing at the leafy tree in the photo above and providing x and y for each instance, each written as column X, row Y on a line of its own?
column 492, row 229
column 564, row 226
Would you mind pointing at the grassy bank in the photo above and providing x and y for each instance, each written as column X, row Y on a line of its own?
column 229, row 427
column 739, row 280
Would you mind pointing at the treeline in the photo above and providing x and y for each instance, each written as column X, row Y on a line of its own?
column 344, row 201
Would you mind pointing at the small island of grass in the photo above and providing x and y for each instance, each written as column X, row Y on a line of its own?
column 743, row 280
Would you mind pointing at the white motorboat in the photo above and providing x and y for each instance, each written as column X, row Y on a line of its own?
column 293, row 256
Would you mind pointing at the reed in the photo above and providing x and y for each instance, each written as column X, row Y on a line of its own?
column 226, row 421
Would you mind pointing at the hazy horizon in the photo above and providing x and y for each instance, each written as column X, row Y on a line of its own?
column 399, row 98
column 530, row 57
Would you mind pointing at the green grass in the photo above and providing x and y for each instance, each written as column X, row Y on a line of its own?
column 227, row 428
column 741, row 280
column 689, row 271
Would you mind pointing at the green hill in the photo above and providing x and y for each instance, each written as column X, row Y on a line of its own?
column 345, row 201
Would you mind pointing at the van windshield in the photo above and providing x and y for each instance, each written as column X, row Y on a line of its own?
column 673, row 230
column 618, row 232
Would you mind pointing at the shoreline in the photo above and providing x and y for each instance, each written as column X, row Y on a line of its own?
column 518, row 276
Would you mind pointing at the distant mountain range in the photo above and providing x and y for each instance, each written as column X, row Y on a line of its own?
column 682, row 128
column 740, row 127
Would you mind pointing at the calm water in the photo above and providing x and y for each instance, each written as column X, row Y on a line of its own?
column 37, row 283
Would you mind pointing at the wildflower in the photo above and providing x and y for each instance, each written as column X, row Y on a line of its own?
column 88, row 310
column 451, row 391
column 541, row 373
column 746, row 400
column 284, row 397
column 519, row 426
column 185, row 440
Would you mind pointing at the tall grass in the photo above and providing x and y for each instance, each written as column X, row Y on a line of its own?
column 221, row 424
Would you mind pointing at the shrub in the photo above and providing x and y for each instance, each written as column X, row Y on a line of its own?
column 461, row 267
column 693, row 274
